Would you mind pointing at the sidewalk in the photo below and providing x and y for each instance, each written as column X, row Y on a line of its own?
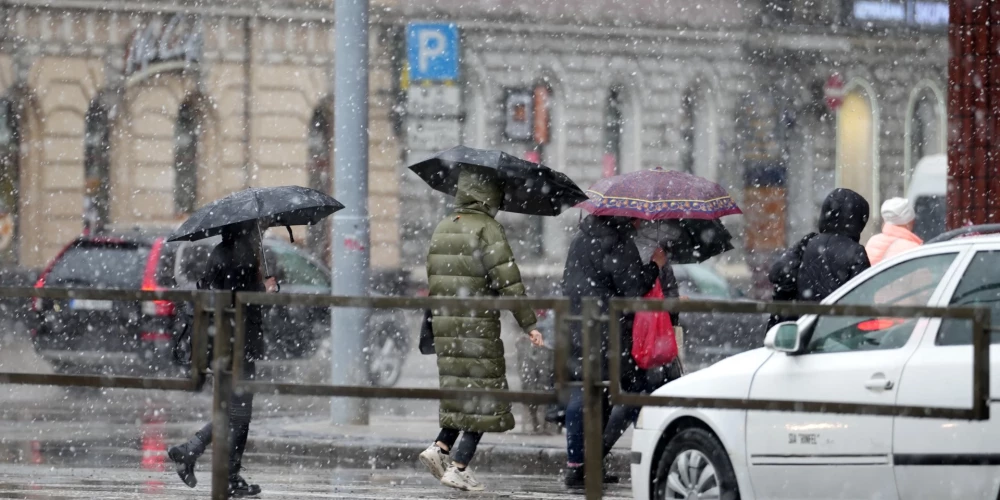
column 395, row 442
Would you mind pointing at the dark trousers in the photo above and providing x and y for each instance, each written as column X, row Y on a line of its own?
column 574, row 423
column 240, row 413
column 466, row 448
column 623, row 416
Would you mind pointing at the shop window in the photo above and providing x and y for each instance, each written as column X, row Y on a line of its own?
column 856, row 150
column 97, row 167
column 187, row 132
column 320, row 164
column 10, row 154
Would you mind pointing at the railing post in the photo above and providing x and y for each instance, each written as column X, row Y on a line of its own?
column 562, row 354
column 199, row 340
column 221, row 395
column 593, row 403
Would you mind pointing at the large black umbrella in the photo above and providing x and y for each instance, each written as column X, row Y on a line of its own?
column 529, row 188
column 686, row 241
column 276, row 206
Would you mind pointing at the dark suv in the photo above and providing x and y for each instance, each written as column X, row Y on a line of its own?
column 137, row 337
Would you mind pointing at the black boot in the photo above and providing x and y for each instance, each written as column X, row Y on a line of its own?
column 238, row 487
column 574, row 478
column 185, row 456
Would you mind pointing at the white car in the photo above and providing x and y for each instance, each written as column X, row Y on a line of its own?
column 733, row 454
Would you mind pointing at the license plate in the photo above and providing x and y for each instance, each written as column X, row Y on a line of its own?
column 91, row 305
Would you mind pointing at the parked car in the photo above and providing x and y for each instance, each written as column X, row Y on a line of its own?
column 709, row 337
column 681, row 452
column 131, row 337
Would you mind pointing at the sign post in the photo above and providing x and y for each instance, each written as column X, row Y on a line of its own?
column 350, row 226
column 433, row 100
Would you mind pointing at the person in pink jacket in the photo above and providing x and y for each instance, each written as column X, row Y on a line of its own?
column 897, row 231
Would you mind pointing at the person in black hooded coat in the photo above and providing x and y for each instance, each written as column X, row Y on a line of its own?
column 603, row 262
column 821, row 262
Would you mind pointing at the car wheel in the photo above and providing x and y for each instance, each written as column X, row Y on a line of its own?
column 385, row 362
column 695, row 465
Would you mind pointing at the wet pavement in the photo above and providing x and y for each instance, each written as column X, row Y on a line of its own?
column 45, row 482
column 111, row 443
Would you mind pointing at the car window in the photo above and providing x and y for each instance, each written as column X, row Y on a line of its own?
column 191, row 261
column 910, row 283
column 100, row 266
column 980, row 286
column 296, row 269
column 710, row 284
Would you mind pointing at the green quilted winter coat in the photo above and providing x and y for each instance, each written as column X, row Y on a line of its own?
column 469, row 257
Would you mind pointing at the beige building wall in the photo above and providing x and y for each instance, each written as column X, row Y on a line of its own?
column 60, row 90
column 62, row 67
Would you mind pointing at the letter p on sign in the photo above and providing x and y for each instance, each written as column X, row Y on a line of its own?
column 432, row 51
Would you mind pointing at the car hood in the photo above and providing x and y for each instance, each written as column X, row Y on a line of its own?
column 729, row 378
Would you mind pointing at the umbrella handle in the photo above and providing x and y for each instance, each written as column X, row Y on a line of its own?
column 263, row 258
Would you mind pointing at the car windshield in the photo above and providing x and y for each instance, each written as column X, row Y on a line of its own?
column 100, row 266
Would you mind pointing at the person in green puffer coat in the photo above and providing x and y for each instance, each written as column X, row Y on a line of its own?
column 469, row 257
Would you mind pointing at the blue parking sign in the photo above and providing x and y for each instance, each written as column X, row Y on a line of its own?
column 432, row 51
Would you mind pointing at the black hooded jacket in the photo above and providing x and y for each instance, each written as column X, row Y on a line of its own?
column 820, row 263
column 604, row 262
column 234, row 266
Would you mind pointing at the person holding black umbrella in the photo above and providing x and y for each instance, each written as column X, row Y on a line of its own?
column 238, row 264
column 680, row 214
column 234, row 265
column 469, row 256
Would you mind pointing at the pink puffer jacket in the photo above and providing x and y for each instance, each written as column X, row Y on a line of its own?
column 893, row 241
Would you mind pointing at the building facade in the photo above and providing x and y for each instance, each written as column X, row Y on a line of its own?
column 733, row 91
column 140, row 113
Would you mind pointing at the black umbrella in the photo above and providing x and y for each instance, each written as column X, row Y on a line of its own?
column 280, row 206
column 529, row 188
column 686, row 241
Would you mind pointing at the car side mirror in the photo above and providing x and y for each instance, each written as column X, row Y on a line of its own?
column 784, row 337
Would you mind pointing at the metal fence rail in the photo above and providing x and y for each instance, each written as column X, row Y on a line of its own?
column 230, row 341
column 199, row 336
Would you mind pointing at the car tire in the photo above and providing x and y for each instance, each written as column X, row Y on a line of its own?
column 695, row 450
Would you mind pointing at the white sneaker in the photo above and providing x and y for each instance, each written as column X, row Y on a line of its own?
column 461, row 480
column 435, row 460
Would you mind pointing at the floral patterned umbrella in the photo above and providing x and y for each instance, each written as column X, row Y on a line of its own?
column 659, row 194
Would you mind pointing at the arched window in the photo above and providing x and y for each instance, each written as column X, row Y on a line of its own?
column 97, row 167
column 186, row 135
column 10, row 181
column 698, row 153
column 857, row 167
column 319, row 164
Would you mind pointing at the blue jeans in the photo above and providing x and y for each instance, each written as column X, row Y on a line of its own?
column 574, row 424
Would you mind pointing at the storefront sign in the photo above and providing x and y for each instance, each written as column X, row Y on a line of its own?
column 164, row 47
column 519, row 116
column 913, row 13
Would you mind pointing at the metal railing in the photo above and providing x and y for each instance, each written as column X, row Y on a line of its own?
column 229, row 349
